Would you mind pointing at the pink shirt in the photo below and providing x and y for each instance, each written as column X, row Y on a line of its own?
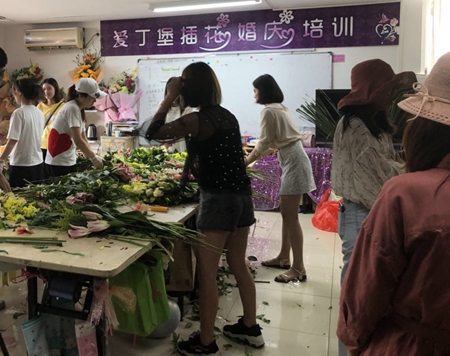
column 401, row 265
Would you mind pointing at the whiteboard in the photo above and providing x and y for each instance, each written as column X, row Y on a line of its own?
column 297, row 74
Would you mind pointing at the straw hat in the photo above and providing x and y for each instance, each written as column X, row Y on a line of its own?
column 432, row 98
column 375, row 83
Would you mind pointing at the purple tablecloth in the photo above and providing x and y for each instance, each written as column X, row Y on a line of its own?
column 267, row 197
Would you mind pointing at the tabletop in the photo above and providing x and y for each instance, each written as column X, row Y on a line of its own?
column 102, row 257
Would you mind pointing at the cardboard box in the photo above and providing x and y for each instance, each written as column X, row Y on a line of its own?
column 118, row 143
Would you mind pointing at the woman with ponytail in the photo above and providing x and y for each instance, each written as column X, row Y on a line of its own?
column 24, row 136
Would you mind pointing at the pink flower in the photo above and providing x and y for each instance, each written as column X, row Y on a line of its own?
column 392, row 38
column 80, row 198
column 384, row 19
column 76, row 232
column 143, row 208
column 177, row 176
column 98, row 225
column 394, row 22
column 91, row 216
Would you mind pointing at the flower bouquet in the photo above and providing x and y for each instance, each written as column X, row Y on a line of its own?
column 124, row 95
column 33, row 72
column 88, row 66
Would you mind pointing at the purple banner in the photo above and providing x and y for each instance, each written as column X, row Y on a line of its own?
column 346, row 26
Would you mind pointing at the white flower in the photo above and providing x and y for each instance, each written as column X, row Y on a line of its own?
column 286, row 16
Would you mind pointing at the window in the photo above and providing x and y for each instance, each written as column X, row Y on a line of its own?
column 437, row 41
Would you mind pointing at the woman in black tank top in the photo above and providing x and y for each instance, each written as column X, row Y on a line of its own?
column 226, row 211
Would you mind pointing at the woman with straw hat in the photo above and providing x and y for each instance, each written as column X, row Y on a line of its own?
column 395, row 298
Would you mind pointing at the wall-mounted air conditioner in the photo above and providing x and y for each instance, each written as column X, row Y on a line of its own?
column 60, row 38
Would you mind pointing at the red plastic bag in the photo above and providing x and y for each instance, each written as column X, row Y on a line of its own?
column 326, row 215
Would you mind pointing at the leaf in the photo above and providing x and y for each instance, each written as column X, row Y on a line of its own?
column 227, row 346
column 188, row 325
column 248, row 352
column 265, row 303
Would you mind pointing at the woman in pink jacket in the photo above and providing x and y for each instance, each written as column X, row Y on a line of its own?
column 395, row 299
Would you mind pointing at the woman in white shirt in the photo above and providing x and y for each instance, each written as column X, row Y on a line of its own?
column 278, row 131
column 68, row 131
column 24, row 136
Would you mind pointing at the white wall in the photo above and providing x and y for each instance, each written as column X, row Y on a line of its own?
column 406, row 56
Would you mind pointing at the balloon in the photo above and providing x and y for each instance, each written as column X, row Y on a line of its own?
column 167, row 328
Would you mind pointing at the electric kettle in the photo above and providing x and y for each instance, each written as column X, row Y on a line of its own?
column 91, row 132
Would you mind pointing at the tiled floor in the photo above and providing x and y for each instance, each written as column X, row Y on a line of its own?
column 302, row 316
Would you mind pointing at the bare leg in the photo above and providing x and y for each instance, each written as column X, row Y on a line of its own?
column 236, row 248
column 207, row 264
column 293, row 231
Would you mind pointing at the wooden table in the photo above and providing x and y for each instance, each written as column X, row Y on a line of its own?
column 101, row 260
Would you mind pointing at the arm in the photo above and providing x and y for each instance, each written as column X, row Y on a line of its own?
column 186, row 125
column 8, row 148
column 375, row 269
column 81, row 143
column 266, row 136
column 79, row 138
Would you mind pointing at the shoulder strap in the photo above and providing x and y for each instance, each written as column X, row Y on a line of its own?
column 51, row 115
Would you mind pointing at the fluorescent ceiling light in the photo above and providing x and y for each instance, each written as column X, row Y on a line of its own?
column 199, row 5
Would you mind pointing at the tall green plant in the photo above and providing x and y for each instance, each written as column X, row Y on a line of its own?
column 317, row 112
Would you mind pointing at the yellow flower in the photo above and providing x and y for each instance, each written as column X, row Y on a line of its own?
column 30, row 211
column 84, row 75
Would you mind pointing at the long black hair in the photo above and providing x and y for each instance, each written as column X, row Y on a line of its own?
column 376, row 122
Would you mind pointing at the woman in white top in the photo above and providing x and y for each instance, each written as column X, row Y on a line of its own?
column 363, row 153
column 24, row 136
column 175, row 112
column 68, row 130
column 278, row 131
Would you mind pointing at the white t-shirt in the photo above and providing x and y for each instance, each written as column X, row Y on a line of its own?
column 26, row 126
column 61, row 148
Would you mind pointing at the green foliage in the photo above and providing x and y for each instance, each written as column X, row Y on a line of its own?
column 317, row 113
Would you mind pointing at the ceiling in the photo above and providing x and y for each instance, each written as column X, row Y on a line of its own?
column 51, row 11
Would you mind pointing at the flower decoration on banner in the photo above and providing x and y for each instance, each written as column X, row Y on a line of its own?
column 33, row 72
column 223, row 20
column 387, row 29
column 88, row 66
column 286, row 17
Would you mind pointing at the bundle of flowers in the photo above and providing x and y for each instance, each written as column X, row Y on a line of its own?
column 33, row 72
column 15, row 209
column 123, row 95
column 154, row 175
column 88, row 66
column 89, row 220
column 124, row 83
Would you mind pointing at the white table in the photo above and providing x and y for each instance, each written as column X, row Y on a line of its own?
column 97, row 261
column 102, row 259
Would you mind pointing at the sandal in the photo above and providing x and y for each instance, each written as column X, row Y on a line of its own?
column 276, row 262
column 284, row 278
